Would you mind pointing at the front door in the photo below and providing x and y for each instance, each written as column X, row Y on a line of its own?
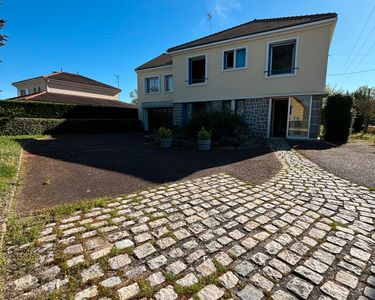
column 279, row 119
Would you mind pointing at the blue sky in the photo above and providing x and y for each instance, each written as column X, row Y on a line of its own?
column 101, row 38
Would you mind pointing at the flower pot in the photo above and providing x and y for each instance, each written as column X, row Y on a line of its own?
column 166, row 142
column 204, row 145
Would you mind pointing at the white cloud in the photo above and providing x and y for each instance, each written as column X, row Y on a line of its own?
column 222, row 8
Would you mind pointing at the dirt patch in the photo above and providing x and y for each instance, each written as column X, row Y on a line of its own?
column 72, row 168
column 352, row 161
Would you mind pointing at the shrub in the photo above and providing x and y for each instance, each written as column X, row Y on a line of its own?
column 34, row 109
column 204, row 134
column 221, row 124
column 165, row 132
column 34, row 126
column 338, row 117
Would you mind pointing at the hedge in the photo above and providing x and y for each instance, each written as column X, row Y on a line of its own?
column 338, row 118
column 34, row 109
column 34, row 126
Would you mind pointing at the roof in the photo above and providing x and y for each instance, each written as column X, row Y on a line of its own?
column 254, row 27
column 71, row 99
column 75, row 78
column 160, row 61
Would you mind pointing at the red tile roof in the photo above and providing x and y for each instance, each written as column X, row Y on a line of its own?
column 160, row 61
column 254, row 27
column 75, row 78
column 71, row 99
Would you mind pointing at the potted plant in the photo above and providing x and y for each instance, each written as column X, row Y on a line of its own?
column 204, row 139
column 165, row 135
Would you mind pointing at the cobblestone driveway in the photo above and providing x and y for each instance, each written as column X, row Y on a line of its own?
column 304, row 234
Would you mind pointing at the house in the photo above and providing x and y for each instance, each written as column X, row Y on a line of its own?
column 272, row 72
column 63, row 87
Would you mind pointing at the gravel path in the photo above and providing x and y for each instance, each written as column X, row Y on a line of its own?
column 71, row 168
column 352, row 161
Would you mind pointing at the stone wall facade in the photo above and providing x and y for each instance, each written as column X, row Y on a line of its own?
column 256, row 116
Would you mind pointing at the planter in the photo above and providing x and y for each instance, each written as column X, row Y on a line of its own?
column 166, row 142
column 204, row 145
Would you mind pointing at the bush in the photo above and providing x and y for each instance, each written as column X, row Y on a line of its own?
column 34, row 126
column 204, row 134
column 165, row 132
column 358, row 123
column 338, row 117
column 221, row 124
column 34, row 109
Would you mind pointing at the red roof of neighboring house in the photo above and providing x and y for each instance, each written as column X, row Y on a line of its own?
column 75, row 78
column 253, row 27
column 160, row 61
column 71, row 99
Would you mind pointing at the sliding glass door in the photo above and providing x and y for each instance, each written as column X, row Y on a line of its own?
column 299, row 116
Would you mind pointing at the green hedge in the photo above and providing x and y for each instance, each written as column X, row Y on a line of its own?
column 337, row 118
column 34, row 126
column 34, row 109
column 221, row 124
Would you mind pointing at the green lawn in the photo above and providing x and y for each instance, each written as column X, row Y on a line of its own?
column 368, row 137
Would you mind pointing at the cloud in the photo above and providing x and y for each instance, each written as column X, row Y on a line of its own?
column 222, row 8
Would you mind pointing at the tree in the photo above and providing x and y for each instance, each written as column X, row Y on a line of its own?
column 364, row 103
column 2, row 36
column 134, row 96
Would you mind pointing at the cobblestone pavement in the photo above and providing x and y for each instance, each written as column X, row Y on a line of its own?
column 305, row 234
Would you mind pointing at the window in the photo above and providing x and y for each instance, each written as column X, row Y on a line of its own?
column 152, row 85
column 234, row 59
column 23, row 92
column 39, row 89
column 197, row 70
column 240, row 108
column 168, row 83
column 281, row 58
column 226, row 105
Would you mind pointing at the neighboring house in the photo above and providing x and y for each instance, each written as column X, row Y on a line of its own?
column 272, row 72
column 63, row 87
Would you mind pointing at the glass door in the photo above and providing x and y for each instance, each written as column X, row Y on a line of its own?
column 299, row 116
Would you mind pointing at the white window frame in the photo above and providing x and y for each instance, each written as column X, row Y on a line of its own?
column 145, row 85
column 268, row 62
column 187, row 69
column 234, row 59
column 165, row 83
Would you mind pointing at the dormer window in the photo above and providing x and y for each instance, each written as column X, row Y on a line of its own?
column 23, row 92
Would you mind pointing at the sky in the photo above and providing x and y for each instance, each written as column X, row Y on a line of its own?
column 99, row 39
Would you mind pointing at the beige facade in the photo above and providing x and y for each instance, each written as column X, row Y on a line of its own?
column 313, row 43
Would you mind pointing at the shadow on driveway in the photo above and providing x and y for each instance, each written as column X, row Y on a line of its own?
column 71, row 168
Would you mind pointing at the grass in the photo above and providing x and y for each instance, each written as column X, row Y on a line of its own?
column 361, row 136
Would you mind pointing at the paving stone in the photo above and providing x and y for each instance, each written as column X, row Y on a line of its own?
column 187, row 280
column 316, row 265
column 273, row 247
column 236, row 251
column 334, row 290
column 110, row 282
column 90, row 292
column 157, row 262
column 119, row 261
column 262, row 282
column 156, row 279
column 223, row 259
column 280, row 266
column 206, row 268
column 272, row 273
column 25, row 283
column 228, row 280
column 50, row 273
column 54, row 285
column 166, row 293
column 75, row 261
column 128, row 292
column 243, row 268
column 210, row 292
column 144, row 250
column 309, row 274
column 300, row 287
column 100, row 253
column 360, row 254
column 260, row 259
column 93, row 272
column 165, row 242
column 176, row 267
column 289, row 257
column 74, row 249
column 249, row 292
column 249, row 243
column 347, row 279
column 282, row 295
